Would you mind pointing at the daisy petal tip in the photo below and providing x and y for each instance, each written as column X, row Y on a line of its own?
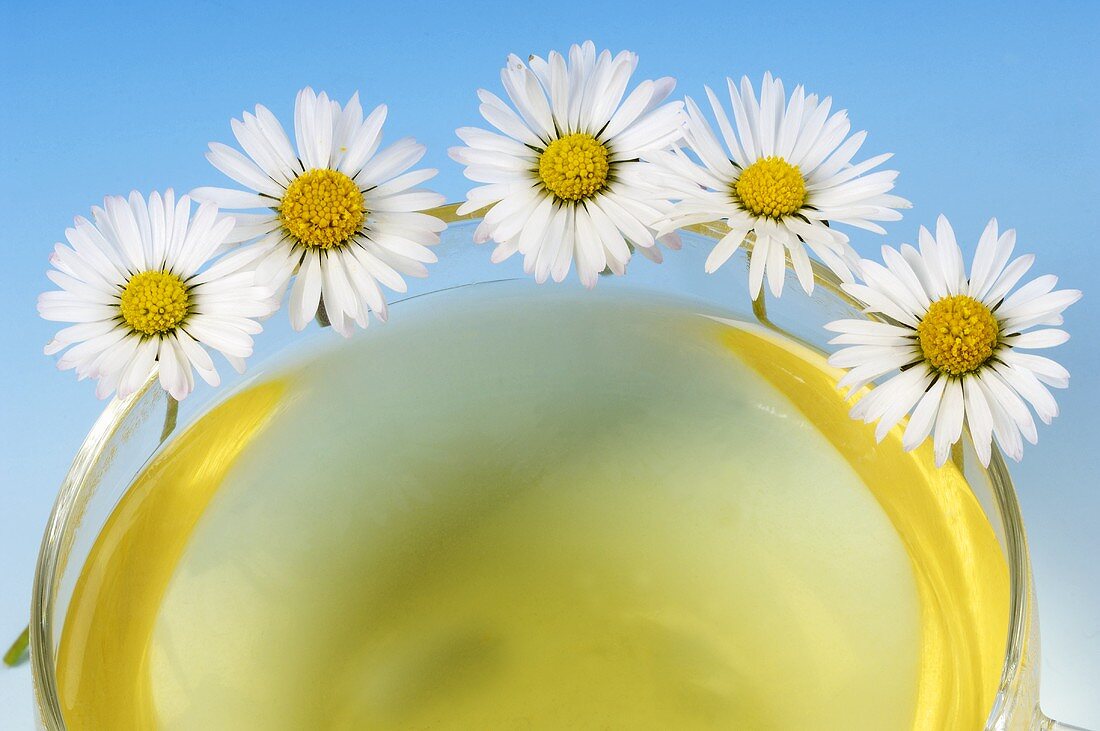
column 776, row 284
column 467, row 208
column 670, row 240
column 984, row 451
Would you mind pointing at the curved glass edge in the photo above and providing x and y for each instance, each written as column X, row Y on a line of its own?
column 55, row 547
column 1017, row 702
column 1016, row 705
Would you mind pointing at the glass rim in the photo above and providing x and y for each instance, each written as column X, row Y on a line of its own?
column 108, row 424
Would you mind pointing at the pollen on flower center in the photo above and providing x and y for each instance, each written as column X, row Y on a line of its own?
column 958, row 334
column 770, row 187
column 574, row 167
column 154, row 302
column 322, row 208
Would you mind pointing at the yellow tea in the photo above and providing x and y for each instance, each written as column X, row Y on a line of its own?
column 517, row 508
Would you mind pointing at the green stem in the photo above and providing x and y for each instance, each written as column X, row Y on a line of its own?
column 760, row 310
column 171, row 414
column 18, row 650
column 322, row 314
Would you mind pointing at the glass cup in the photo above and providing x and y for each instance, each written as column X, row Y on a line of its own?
column 130, row 431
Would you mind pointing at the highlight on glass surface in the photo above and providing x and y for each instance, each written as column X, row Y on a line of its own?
column 644, row 506
column 344, row 217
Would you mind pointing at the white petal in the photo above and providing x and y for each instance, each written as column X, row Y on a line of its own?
column 1008, row 279
column 776, row 267
column 198, row 357
column 757, row 260
column 1014, row 407
column 140, row 366
column 220, row 333
column 393, row 160
column 229, row 198
column 1038, row 339
column 949, row 420
column 924, row 415
column 868, row 327
column 305, row 294
column 243, row 170
column 364, row 142
column 724, row 249
column 1024, row 382
column 979, row 417
column 881, row 302
column 1046, row 370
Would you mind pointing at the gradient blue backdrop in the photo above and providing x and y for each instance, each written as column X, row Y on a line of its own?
column 992, row 109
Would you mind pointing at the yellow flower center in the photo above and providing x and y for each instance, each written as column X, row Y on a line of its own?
column 770, row 187
column 958, row 334
column 322, row 208
column 154, row 302
column 574, row 167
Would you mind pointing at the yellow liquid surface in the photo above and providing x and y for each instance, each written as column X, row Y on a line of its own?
column 539, row 510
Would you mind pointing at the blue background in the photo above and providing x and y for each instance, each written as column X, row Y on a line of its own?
column 991, row 109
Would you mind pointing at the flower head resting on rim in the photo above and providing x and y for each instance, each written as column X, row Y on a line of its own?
column 144, row 285
column 954, row 343
column 780, row 175
column 563, row 181
column 343, row 215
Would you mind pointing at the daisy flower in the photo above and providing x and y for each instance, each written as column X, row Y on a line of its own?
column 144, row 285
column 783, row 180
column 342, row 215
column 564, row 182
column 958, row 342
